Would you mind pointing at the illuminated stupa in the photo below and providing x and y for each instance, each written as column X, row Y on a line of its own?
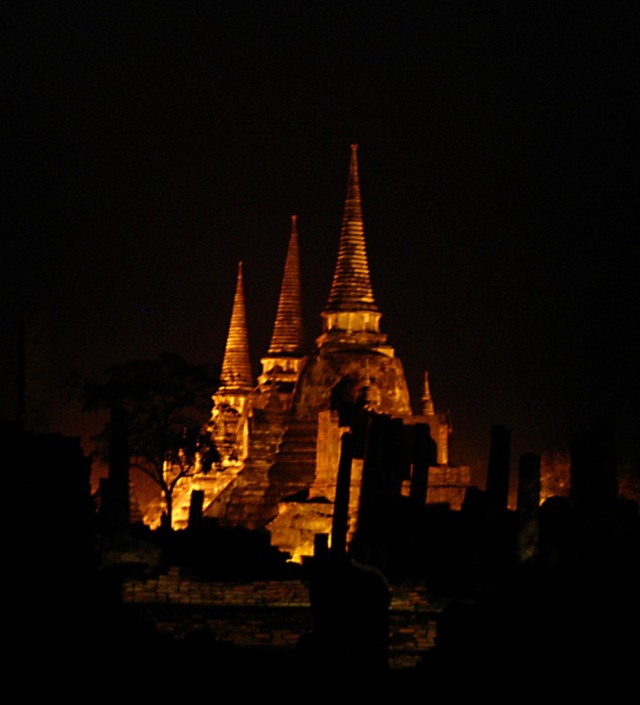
column 280, row 437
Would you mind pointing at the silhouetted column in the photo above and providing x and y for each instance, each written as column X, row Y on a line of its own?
column 424, row 456
column 195, row 508
column 350, row 613
column 379, row 492
column 321, row 546
column 115, row 512
column 528, row 506
column 341, row 505
column 498, row 472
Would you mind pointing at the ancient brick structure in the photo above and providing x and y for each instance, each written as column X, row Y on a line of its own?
column 279, row 438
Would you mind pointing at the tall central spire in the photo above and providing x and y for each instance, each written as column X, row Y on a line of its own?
column 236, row 364
column 351, row 317
column 351, row 288
column 288, row 335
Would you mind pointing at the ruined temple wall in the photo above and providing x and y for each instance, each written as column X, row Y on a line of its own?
column 272, row 613
column 447, row 485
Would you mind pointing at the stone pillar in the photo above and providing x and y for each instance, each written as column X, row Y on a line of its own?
column 195, row 508
column 527, row 511
column 380, row 491
column 498, row 472
column 341, row 505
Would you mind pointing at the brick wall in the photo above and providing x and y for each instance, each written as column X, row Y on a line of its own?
column 271, row 613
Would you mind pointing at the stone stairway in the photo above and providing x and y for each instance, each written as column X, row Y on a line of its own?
column 294, row 468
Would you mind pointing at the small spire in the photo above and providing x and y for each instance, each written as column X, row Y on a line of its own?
column 351, row 288
column 288, row 335
column 236, row 364
column 427, row 401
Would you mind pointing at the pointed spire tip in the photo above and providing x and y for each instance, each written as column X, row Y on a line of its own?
column 287, row 334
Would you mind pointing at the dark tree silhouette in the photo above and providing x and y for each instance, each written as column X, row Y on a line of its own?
column 168, row 401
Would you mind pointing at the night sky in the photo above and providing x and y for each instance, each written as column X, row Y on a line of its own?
column 149, row 147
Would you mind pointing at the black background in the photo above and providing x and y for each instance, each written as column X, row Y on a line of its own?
column 149, row 147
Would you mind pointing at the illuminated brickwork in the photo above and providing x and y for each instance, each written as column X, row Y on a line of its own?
column 272, row 613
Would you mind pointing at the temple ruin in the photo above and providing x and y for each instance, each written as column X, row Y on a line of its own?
column 281, row 436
